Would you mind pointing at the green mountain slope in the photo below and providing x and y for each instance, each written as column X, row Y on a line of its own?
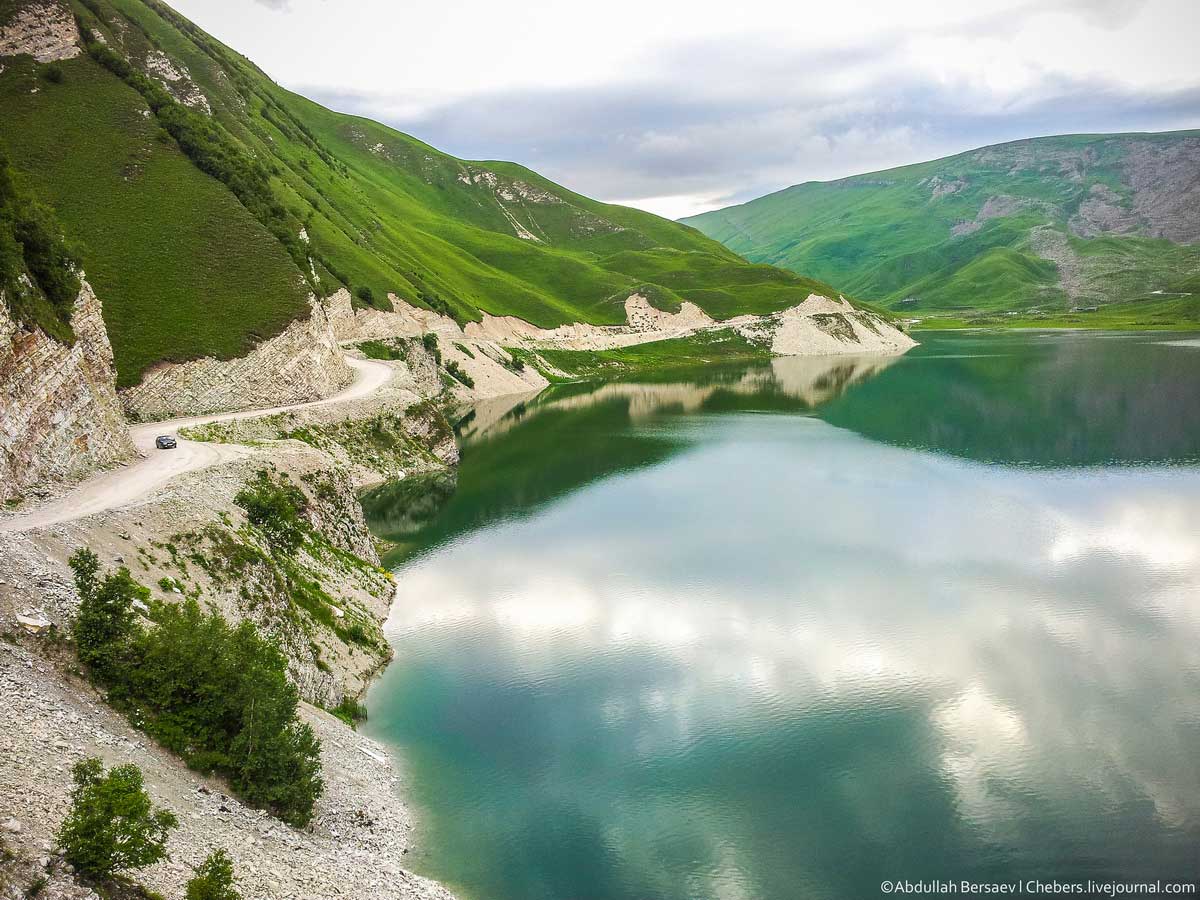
column 1034, row 228
column 206, row 203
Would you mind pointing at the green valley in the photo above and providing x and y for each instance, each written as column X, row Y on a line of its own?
column 1071, row 230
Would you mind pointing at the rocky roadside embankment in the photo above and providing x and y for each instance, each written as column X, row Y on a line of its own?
column 60, row 418
column 191, row 538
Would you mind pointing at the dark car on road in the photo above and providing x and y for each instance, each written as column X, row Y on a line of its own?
column 164, row 442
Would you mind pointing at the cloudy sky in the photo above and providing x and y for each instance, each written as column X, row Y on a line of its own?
column 679, row 106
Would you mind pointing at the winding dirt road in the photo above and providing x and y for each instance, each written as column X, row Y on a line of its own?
column 118, row 487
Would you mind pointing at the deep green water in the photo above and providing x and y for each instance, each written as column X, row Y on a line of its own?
column 791, row 630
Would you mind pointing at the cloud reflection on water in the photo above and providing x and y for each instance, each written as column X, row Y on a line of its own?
column 1035, row 631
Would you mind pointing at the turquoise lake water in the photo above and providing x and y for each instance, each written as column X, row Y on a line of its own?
column 791, row 629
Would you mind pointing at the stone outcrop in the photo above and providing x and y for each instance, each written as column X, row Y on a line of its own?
column 823, row 327
column 59, row 414
column 817, row 326
column 45, row 30
column 176, row 78
column 1166, row 191
column 301, row 364
column 490, row 367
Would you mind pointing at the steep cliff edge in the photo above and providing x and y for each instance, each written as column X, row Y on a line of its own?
column 59, row 414
column 302, row 364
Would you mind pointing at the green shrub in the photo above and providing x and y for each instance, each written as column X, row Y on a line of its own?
column 457, row 372
column 429, row 341
column 31, row 241
column 53, row 73
column 213, row 879
column 275, row 508
column 350, row 711
column 219, row 696
column 366, row 295
column 112, row 825
column 106, row 623
column 383, row 350
column 216, row 694
column 437, row 304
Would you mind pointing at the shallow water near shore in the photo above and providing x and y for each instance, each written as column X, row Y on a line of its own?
column 794, row 629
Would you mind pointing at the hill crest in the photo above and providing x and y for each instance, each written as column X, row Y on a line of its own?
column 1035, row 226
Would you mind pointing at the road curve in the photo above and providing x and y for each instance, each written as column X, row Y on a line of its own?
column 118, row 487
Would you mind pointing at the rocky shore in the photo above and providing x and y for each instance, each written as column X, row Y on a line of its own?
column 361, row 831
column 355, row 847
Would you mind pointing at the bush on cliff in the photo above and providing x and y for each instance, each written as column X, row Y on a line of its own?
column 457, row 372
column 275, row 507
column 112, row 825
column 216, row 694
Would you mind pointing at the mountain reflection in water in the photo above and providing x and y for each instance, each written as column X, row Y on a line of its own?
column 583, row 432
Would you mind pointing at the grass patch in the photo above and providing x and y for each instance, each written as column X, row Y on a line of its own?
column 350, row 711
column 38, row 277
column 703, row 348
column 183, row 269
column 386, row 349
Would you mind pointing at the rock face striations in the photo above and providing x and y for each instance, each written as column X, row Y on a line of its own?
column 303, row 363
column 59, row 413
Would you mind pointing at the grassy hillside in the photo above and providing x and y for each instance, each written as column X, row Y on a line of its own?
column 38, row 281
column 206, row 203
column 1032, row 230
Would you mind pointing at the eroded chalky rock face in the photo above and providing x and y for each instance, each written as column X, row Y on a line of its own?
column 45, row 29
column 303, row 363
column 60, row 418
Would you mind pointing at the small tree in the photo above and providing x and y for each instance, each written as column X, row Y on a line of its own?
column 106, row 622
column 277, row 759
column 366, row 295
column 112, row 825
column 213, row 879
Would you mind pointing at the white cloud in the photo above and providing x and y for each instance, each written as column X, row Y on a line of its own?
column 672, row 106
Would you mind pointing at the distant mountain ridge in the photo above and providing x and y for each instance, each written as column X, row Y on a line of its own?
column 1035, row 227
column 206, row 203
